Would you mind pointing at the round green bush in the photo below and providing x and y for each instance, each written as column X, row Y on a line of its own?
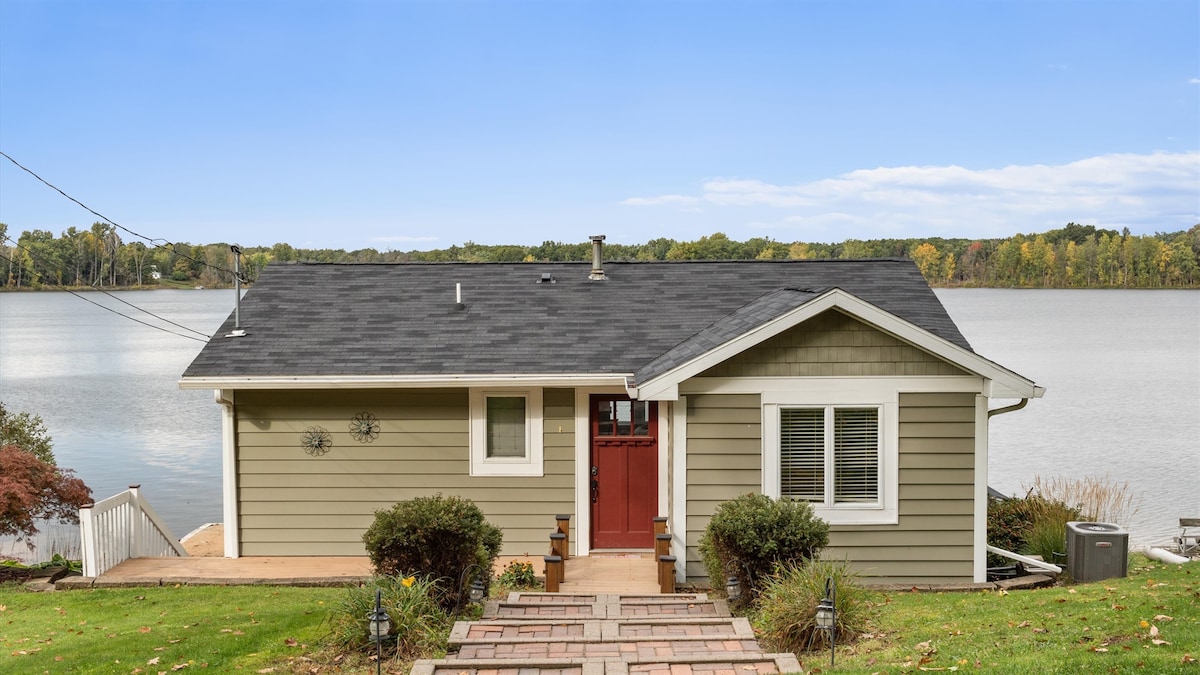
column 437, row 537
column 751, row 535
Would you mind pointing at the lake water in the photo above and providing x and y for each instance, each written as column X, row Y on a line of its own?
column 1122, row 370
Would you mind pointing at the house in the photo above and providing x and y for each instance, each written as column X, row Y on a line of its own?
column 615, row 392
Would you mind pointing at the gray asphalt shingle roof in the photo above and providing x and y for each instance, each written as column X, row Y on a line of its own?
column 309, row 319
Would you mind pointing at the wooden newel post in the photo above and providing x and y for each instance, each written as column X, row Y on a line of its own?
column 660, row 525
column 558, row 544
column 553, row 573
column 666, row 574
column 662, row 545
column 564, row 527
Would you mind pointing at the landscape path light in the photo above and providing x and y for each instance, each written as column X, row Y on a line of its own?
column 378, row 624
column 827, row 616
column 733, row 585
column 475, row 592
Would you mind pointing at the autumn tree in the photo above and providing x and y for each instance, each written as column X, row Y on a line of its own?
column 32, row 487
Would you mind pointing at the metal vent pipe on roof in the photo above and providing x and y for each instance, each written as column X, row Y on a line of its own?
column 597, row 260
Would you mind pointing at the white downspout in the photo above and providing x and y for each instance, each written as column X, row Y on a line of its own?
column 229, row 471
column 983, row 417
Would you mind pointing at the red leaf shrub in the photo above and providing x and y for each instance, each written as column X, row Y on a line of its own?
column 32, row 490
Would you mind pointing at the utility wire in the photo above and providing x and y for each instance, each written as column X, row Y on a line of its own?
column 110, row 309
column 169, row 246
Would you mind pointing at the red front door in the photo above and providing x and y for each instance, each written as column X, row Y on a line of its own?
column 624, row 472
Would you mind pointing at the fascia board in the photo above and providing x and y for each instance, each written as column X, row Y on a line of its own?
column 1002, row 379
column 405, row 381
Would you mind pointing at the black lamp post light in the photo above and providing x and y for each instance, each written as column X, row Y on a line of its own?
column 378, row 626
column 473, row 593
column 827, row 616
column 733, row 585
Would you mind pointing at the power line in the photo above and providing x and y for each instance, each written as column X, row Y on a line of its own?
column 110, row 309
column 168, row 247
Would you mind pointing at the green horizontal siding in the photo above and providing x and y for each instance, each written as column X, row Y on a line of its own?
column 291, row 503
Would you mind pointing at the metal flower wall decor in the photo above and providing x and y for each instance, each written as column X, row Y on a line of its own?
column 364, row 427
column 316, row 441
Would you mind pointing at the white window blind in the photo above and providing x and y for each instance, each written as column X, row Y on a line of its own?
column 855, row 455
column 506, row 426
column 802, row 454
column 829, row 455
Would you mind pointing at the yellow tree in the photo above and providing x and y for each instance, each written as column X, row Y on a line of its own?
column 929, row 261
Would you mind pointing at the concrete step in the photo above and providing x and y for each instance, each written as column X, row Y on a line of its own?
column 727, row 664
column 634, row 651
column 535, row 606
column 500, row 630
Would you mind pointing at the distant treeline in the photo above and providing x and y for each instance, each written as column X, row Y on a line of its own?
column 1075, row 256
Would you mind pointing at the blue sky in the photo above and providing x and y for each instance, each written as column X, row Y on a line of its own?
column 417, row 125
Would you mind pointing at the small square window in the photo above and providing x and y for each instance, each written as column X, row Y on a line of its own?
column 506, row 432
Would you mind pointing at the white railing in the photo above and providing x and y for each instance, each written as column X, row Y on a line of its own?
column 121, row 527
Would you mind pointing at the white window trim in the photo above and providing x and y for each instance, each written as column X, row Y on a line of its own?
column 531, row 463
column 886, row 511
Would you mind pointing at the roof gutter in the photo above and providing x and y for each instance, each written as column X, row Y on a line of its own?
column 1008, row 408
column 406, row 381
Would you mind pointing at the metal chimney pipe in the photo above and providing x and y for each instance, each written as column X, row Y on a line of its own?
column 597, row 260
column 237, row 331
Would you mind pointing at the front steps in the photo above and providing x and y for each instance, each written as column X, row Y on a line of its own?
column 606, row 634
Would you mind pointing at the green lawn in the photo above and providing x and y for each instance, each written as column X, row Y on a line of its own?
column 151, row 630
column 1146, row 623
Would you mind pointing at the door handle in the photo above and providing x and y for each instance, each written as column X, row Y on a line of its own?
column 595, row 489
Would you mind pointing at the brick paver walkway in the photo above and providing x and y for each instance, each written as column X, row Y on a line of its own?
column 603, row 634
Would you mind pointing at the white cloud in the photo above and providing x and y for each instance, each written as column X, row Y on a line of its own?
column 1159, row 191
column 1194, row 80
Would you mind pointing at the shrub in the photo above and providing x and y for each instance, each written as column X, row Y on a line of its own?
column 753, row 534
column 420, row 625
column 435, row 537
column 1031, row 525
column 518, row 576
column 787, row 606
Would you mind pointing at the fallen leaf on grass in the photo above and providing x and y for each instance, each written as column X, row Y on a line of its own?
column 265, row 670
column 1187, row 658
column 1160, row 642
column 1040, row 630
column 1023, row 624
column 1144, row 623
column 153, row 661
column 1163, row 617
column 3, row 608
column 1153, row 631
column 1099, row 649
column 145, row 629
column 291, row 642
column 179, row 666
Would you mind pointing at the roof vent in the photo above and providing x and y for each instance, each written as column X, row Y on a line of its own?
column 597, row 260
column 547, row 278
